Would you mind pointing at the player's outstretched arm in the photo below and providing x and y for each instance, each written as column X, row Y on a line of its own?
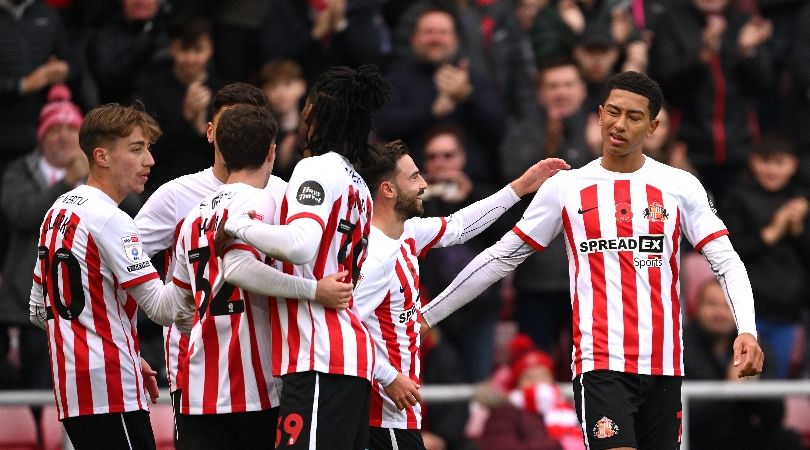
column 296, row 242
column 536, row 175
column 241, row 268
column 485, row 269
column 162, row 302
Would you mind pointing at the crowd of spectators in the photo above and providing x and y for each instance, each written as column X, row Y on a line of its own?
column 482, row 89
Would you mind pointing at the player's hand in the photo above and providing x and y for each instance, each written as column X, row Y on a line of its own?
column 424, row 328
column 748, row 356
column 333, row 293
column 150, row 381
column 403, row 391
column 221, row 238
column 536, row 175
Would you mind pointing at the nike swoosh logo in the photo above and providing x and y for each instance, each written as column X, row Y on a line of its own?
column 583, row 211
column 401, row 290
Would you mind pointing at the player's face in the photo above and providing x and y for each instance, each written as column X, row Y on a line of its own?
column 625, row 122
column 410, row 186
column 130, row 160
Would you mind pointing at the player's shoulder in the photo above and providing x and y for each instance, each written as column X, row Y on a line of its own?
column 203, row 180
column 276, row 184
column 677, row 180
column 381, row 247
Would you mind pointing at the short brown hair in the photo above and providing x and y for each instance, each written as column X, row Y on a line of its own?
column 106, row 123
column 280, row 70
column 382, row 164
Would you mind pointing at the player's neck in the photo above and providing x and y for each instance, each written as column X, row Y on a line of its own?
column 255, row 178
column 623, row 163
column 220, row 172
column 388, row 221
column 107, row 187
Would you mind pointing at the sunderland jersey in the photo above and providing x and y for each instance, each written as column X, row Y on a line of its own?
column 307, row 336
column 622, row 235
column 387, row 300
column 159, row 222
column 89, row 252
column 227, row 365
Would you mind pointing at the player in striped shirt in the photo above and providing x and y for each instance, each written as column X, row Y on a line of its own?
column 229, row 396
column 622, row 216
column 387, row 293
column 325, row 356
column 161, row 217
column 90, row 278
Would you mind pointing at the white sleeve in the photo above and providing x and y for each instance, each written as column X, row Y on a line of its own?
column 157, row 220
column 485, row 269
column 37, row 312
column 161, row 302
column 730, row 272
column 384, row 372
column 471, row 220
column 296, row 242
column 242, row 269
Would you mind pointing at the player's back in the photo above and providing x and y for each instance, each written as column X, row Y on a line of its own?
column 89, row 252
column 227, row 366
column 326, row 189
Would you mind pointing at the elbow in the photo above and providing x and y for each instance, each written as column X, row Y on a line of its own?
column 301, row 256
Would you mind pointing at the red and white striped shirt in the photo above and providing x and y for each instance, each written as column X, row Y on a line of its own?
column 307, row 336
column 89, row 252
column 622, row 234
column 227, row 368
column 159, row 222
column 546, row 400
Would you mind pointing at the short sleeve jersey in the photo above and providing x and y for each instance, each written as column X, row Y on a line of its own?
column 307, row 336
column 387, row 300
column 622, row 235
column 159, row 222
column 227, row 368
column 89, row 253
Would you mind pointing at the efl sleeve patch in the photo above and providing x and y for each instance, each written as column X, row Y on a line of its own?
column 310, row 193
column 133, row 248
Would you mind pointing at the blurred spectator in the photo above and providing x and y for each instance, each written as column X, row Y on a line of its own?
column 767, row 219
column 472, row 329
column 662, row 145
column 597, row 56
column 322, row 33
column 556, row 128
column 237, row 37
column 711, row 63
column 128, row 49
column 283, row 83
column 35, row 56
column 550, row 36
column 490, row 39
column 30, row 186
column 735, row 424
column 799, row 98
column 435, row 86
column 178, row 98
column 443, row 423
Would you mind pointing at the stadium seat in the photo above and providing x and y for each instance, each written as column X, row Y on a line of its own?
column 18, row 429
column 797, row 411
column 162, row 418
column 53, row 434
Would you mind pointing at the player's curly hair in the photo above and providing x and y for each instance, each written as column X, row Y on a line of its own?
column 636, row 83
column 343, row 101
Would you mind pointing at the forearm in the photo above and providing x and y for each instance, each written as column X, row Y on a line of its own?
column 731, row 273
column 245, row 271
column 37, row 312
column 384, row 372
column 295, row 243
column 485, row 269
column 161, row 302
column 477, row 217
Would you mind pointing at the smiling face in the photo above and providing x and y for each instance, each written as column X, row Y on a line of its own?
column 409, row 186
column 625, row 123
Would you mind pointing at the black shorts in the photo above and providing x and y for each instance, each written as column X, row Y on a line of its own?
column 126, row 431
column 329, row 410
column 629, row 410
column 395, row 439
column 245, row 430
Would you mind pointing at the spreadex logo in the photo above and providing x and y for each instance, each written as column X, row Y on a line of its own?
column 653, row 244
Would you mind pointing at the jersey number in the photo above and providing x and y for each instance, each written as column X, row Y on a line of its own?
column 50, row 282
column 221, row 304
column 347, row 228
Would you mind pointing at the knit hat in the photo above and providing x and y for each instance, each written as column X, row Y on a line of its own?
column 534, row 358
column 58, row 111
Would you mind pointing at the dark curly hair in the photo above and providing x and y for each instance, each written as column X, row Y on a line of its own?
column 637, row 83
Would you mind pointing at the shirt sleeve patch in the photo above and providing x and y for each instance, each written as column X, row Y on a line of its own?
column 133, row 248
column 310, row 193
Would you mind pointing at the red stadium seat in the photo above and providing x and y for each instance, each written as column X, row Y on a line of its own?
column 18, row 429
column 162, row 417
column 52, row 431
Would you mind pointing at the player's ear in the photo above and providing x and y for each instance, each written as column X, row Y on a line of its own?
column 387, row 189
column 209, row 132
column 101, row 156
column 271, row 154
column 653, row 126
